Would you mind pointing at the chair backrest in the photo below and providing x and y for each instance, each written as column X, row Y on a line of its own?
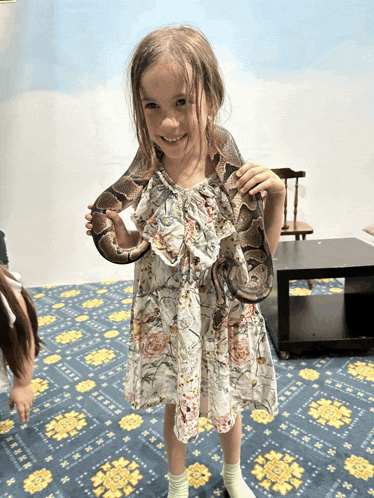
column 286, row 174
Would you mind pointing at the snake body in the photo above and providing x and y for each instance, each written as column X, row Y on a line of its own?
column 248, row 222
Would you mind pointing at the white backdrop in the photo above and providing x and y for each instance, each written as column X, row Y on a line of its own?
column 59, row 149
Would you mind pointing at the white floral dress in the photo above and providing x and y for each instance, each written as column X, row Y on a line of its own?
column 16, row 288
column 175, row 355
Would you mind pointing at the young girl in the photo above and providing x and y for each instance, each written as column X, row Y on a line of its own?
column 176, row 357
column 19, row 342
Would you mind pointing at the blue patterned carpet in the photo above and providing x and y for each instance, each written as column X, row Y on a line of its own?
column 84, row 440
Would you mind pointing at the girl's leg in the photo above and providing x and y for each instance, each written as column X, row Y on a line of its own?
column 175, row 450
column 232, row 476
column 176, row 454
column 230, row 442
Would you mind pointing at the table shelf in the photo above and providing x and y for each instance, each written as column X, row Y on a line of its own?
column 298, row 324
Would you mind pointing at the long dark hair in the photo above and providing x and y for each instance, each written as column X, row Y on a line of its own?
column 15, row 341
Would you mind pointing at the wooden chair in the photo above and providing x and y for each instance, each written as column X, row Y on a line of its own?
column 293, row 227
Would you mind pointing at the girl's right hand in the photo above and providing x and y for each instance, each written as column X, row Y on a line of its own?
column 124, row 238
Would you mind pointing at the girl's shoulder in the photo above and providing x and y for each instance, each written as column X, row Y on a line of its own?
column 226, row 146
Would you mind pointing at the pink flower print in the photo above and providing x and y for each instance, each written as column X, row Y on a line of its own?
column 189, row 408
column 250, row 310
column 189, row 230
column 152, row 345
column 238, row 350
column 130, row 397
column 223, row 424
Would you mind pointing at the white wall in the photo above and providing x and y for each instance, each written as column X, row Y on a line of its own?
column 59, row 151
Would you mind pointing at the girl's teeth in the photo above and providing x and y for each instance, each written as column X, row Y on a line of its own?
column 175, row 140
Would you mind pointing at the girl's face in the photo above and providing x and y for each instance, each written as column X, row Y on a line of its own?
column 170, row 113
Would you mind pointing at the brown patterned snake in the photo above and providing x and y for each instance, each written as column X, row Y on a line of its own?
column 248, row 221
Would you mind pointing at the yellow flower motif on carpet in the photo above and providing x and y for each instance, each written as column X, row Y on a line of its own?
column 278, row 474
column 58, row 305
column 65, row 425
column 109, row 282
column 359, row 467
column 336, row 290
column 93, row 303
column 101, row 291
column 362, row 370
column 37, row 481
column 131, row 422
column 52, row 359
column 39, row 386
column 6, row 426
column 36, row 296
column 128, row 289
column 126, row 301
column 332, row 413
column 119, row 316
column 116, row 479
column 198, row 475
column 309, row 374
column 262, row 416
column 85, row 386
column 324, row 280
column 46, row 320
column 99, row 357
column 82, row 318
column 298, row 291
column 205, row 424
column 71, row 293
column 70, row 336
column 111, row 333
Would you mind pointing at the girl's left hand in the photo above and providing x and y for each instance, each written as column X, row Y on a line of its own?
column 23, row 398
column 255, row 177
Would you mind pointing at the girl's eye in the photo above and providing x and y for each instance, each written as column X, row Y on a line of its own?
column 151, row 105
column 181, row 102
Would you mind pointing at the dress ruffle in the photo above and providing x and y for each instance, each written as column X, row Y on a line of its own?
column 175, row 220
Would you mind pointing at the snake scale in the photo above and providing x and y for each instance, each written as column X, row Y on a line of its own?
column 248, row 222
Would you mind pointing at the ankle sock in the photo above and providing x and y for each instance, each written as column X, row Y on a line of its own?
column 234, row 482
column 178, row 486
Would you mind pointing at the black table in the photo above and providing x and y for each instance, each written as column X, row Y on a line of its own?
column 301, row 324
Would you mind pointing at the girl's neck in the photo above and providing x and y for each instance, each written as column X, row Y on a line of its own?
column 188, row 173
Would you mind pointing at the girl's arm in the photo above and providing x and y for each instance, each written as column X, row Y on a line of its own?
column 255, row 178
column 273, row 217
column 22, row 394
column 125, row 238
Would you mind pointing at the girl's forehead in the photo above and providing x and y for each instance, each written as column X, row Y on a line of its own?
column 166, row 72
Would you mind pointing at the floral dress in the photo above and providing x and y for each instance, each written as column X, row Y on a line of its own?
column 175, row 354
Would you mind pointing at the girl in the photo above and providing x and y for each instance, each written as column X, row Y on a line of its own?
column 176, row 357
column 19, row 342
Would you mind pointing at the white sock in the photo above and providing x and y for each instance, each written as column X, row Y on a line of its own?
column 234, row 482
column 178, row 486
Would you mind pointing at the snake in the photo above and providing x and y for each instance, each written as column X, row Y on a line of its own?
column 248, row 223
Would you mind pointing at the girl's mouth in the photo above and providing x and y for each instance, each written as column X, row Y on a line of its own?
column 173, row 140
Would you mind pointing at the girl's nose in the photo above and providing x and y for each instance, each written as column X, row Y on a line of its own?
column 170, row 121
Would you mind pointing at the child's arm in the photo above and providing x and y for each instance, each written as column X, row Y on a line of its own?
column 255, row 178
column 22, row 394
column 125, row 238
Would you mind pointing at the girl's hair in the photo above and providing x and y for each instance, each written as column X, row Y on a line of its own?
column 184, row 45
column 15, row 341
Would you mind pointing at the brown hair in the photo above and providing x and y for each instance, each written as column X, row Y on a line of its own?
column 15, row 341
column 183, row 45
